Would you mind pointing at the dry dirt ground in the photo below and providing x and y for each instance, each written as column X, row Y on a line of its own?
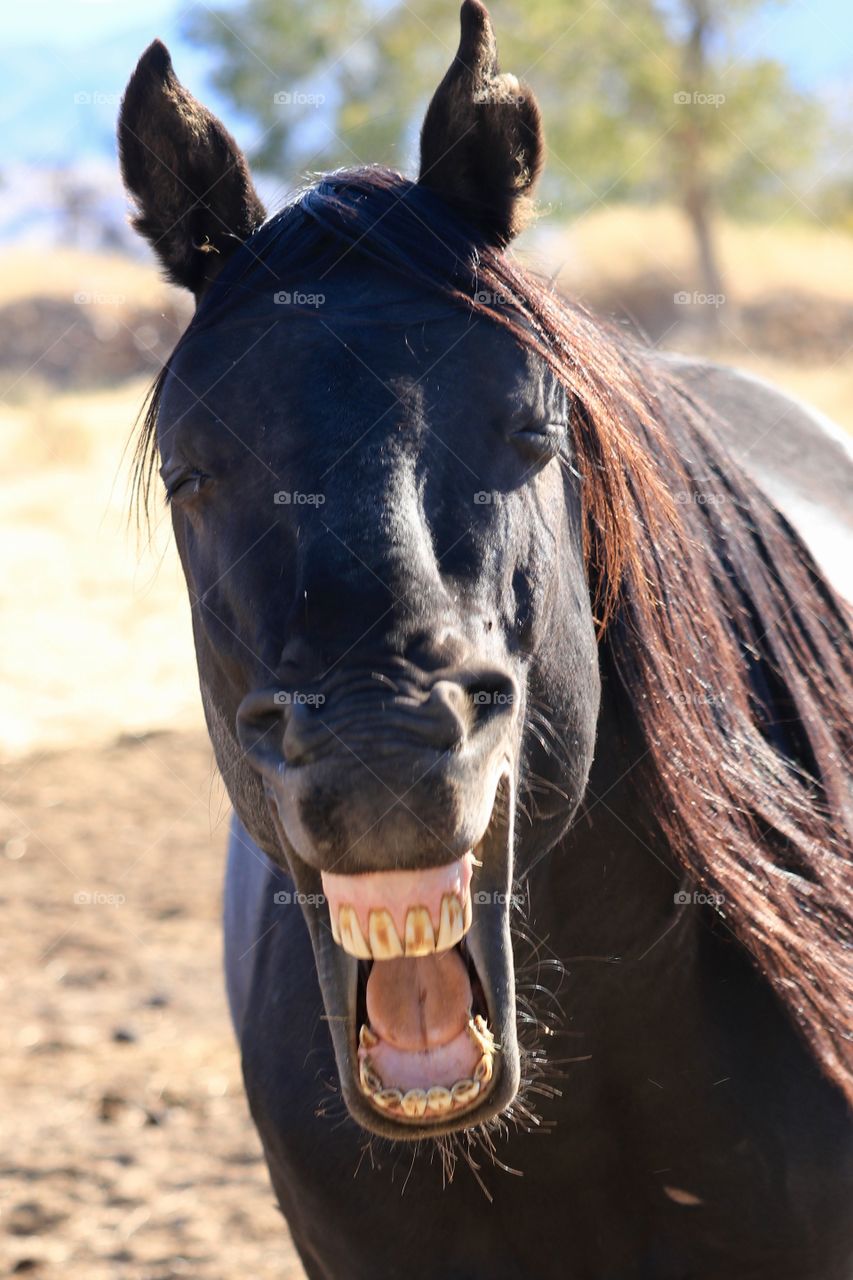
column 128, row 1152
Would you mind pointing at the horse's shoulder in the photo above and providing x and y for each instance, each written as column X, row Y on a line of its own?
column 251, row 881
column 797, row 456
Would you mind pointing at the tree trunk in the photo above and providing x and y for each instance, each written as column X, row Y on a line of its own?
column 696, row 194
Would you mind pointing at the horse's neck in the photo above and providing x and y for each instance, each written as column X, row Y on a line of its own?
column 604, row 901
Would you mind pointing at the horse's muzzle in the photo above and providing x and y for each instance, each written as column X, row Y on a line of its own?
column 394, row 808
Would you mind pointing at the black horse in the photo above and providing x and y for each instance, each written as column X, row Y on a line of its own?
column 473, row 582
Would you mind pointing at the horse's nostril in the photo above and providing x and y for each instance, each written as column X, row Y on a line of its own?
column 259, row 728
column 491, row 692
column 305, row 728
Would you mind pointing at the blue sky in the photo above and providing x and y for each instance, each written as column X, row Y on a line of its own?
column 814, row 36
column 55, row 49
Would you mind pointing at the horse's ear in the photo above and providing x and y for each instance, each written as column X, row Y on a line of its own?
column 482, row 144
column 195, row 202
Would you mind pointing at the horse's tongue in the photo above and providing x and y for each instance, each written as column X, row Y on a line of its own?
column 419, row 1004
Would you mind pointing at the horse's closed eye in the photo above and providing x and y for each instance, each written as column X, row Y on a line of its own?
column 540, row 440
column 184, row 485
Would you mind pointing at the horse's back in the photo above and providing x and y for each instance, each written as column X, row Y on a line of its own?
column 799, row 458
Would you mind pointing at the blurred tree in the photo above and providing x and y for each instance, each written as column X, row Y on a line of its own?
column 642, row 99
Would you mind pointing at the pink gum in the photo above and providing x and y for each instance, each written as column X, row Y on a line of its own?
column 397, row 891
column 444, row 1065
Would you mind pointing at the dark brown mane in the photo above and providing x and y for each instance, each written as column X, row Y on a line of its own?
column 731, row 651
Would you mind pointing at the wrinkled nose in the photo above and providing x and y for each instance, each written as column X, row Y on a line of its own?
column 280, row 727
column 438, row 721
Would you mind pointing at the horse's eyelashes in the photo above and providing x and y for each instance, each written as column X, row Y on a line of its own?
column 187, row 485
column 539, row 440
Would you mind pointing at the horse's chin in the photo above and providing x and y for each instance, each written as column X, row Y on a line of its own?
column 417, row 979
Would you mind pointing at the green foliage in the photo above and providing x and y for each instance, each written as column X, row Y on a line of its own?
column 607, row 77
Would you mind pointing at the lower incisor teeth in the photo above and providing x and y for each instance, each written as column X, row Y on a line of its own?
column 370, row 1081
column 414, row 1102
column 388, row 1098
column 483, row 1069
column 465, row 1091
column 439, row 1099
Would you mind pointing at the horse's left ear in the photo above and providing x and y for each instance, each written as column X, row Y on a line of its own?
column 482, row 144
column 189, row 180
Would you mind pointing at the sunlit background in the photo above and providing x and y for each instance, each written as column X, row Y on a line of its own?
column 699, row 189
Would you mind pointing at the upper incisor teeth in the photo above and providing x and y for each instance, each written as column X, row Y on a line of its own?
column 383, row 942
column 420, row 937
column 452, row 925
column 352, row 939
column 383, row 937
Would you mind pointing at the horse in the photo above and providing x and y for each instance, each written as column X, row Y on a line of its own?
column 531, row 693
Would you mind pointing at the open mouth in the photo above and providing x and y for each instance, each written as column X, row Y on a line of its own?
column 425, row 1047
column 416, row 972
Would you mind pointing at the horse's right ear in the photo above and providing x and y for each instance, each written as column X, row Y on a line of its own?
column 482, row 144
column 195, row 202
